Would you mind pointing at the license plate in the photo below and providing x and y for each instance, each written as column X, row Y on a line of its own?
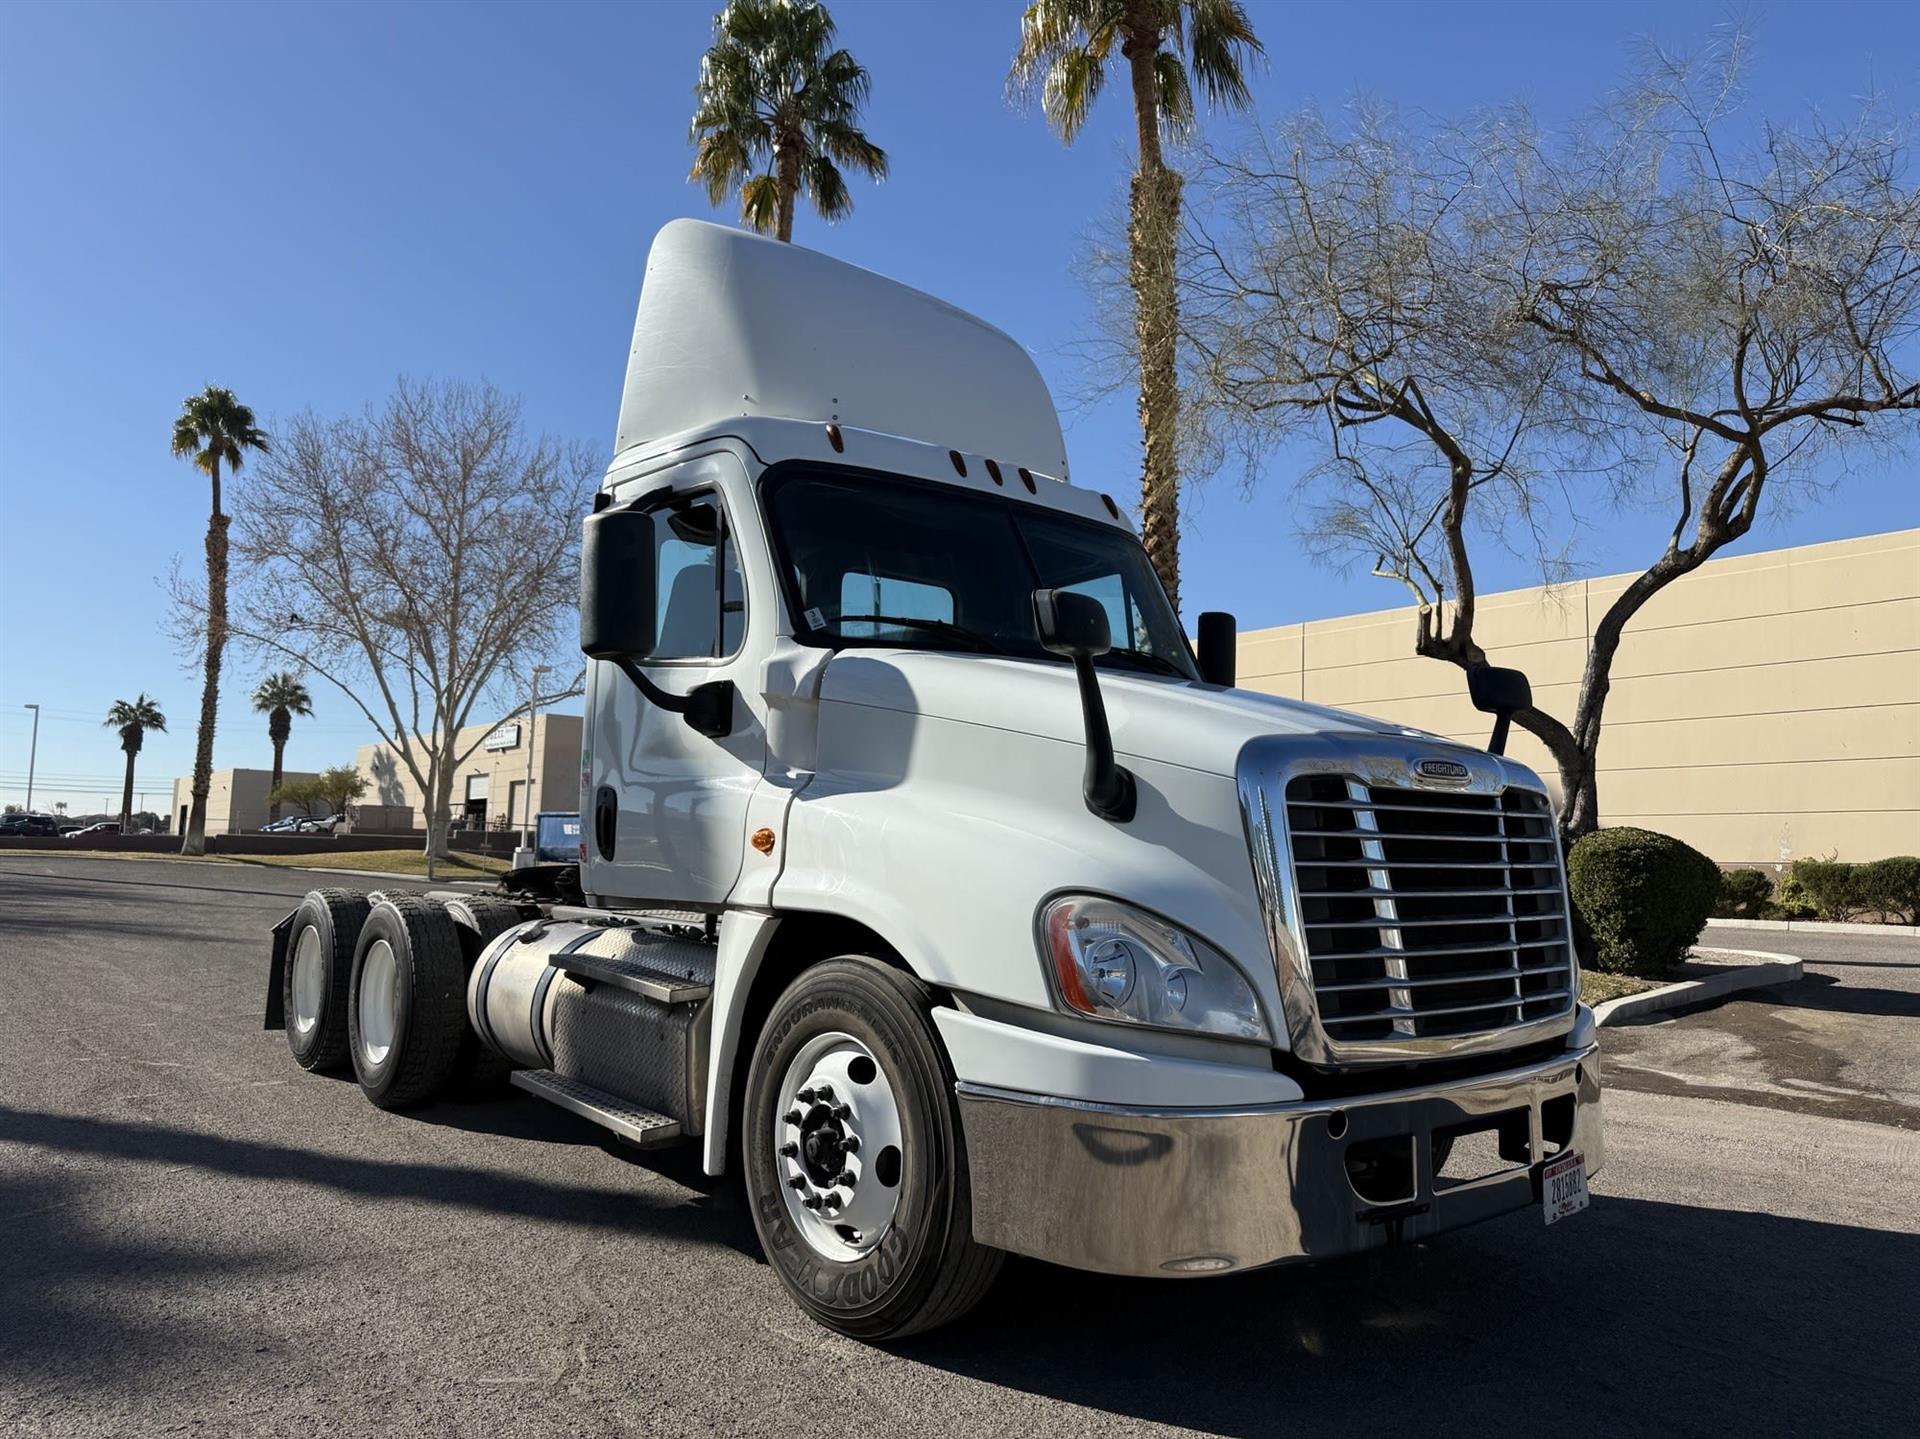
column 1563, row 1187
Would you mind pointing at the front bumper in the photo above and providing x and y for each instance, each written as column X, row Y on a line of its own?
column 1124, row 1190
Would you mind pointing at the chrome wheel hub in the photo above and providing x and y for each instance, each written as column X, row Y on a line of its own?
column 379, row 995
column 837, row 1146
column 308, row 979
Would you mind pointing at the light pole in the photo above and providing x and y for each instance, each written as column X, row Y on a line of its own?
column 33, row 753
column 526, row 796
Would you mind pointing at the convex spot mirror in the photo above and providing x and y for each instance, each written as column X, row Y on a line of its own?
column 1071, row 624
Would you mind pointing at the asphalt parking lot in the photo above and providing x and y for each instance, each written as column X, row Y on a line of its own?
column 196, row 1237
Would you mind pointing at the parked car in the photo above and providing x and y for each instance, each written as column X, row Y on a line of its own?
column 285, row 825
column 30, row 824
column 317, row 824
column 104, row 827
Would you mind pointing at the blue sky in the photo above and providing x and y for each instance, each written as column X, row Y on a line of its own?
column 304, row 201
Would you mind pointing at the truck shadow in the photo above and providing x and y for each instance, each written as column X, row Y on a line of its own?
column 1639, row 1317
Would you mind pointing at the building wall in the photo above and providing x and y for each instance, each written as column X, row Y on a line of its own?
column 236, row 799
column 502, row 769
column 1764, row 708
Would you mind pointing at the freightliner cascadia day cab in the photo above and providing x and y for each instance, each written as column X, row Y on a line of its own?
column 930, row 877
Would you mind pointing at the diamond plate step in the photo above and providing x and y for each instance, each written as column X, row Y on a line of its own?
column 662, row 967
column 630, row 1121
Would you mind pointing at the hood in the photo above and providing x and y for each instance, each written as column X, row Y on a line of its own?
column 1153, row 717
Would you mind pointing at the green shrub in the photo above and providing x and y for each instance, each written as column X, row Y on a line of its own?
column 1833, row 887
column 1643, row 897
column 1892, row 887
column 1790, row 901
column 1744, row 894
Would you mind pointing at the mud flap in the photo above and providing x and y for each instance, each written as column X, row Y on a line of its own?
column 277, row 974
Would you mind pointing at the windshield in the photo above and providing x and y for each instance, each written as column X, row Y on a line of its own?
column 918, row 564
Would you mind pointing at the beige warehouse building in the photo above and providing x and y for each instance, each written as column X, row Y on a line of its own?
column 490, row 787
column 1764, row 708
column 236, row 799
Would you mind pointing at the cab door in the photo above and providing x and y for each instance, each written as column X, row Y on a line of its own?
column 666, row 804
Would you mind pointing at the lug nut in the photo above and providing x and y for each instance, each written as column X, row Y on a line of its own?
column 789, row 1150
column 806, row 1096
column 851, row 1144
column 846, row 1177
column 841, row 1111
column 794, row 1116
column 812, row 1201
column 824, row 1094
column 797, row 1182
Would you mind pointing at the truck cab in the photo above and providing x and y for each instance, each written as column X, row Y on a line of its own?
column 934, row 880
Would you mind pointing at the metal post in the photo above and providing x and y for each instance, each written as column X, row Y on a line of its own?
column 33, row 753
column 526, row 795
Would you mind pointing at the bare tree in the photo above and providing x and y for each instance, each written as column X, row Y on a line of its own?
column 1497, row 331
column 419, row 558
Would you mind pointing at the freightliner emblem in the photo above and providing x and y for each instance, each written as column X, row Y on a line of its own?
column 1443, row 771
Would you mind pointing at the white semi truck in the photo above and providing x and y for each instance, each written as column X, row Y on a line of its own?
column 929, row 876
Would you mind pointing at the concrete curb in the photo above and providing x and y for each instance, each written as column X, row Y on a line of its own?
column 244, row 863
column 1763, row 969
column 1821, row 926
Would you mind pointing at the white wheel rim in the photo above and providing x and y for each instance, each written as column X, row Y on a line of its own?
column 379, row 983
column 308, row 975
column 838, row 1196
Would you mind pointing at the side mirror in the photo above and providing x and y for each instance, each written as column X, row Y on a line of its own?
column 1502, row 694
column 1219, row 643
column 616, row 585
column 1072, row 624
column 1076, row 626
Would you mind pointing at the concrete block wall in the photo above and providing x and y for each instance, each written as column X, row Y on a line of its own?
column 1764, row 708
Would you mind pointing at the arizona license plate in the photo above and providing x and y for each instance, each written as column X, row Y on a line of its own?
column 1563, row 1187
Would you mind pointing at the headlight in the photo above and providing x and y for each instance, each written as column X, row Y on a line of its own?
column 1112, row 961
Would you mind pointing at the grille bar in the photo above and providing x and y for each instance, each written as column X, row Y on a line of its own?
column 1418, row 920
column 1403, row 1014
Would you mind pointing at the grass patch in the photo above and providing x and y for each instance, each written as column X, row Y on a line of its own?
column 1596, row 987
column 386, row 861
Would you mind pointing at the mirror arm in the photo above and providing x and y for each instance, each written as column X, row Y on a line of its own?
column 1497, row 744
column 1109, row 788
column 707, row 708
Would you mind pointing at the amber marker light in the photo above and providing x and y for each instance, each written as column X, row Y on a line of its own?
column 1066, row 969
column 763, row 840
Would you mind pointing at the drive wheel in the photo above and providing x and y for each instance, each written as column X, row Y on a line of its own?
column 854, row 1158
column 407, row 1010
column 314, row 984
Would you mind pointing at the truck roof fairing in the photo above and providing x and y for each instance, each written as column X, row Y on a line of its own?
column 731, row 323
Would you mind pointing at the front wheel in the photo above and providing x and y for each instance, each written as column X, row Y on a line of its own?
column 854, row 1158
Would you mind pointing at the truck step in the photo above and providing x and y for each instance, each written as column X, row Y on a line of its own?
column 662, row 967
column 641, row 1126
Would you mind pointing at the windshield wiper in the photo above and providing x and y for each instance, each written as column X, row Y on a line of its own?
column 1160, row 664
column 946, row 629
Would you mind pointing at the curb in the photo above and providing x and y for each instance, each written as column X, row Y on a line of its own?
column 1765, row 969
column 246, row 861
column 1820, row 926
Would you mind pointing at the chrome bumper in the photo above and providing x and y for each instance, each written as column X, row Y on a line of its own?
column 1196, row 1191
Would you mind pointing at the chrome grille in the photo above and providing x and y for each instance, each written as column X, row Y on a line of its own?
column 1428, row 915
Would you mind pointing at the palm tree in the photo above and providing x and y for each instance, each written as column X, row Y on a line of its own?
column 1065, row 48
column 213, row 429
column 776, row 109
column 133, row 718
column 280, row 697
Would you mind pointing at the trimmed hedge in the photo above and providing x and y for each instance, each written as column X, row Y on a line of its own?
column 1644, row 898
column 1790, row 901
column 1744, row 894
column 1836, row 891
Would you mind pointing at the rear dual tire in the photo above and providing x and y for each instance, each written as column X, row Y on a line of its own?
column 318, row 975
column 406, row 1010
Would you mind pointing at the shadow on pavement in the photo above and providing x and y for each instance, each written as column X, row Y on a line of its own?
column 1822, row 991
column 1637, row 1317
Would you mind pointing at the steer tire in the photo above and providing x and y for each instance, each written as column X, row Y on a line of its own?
column 926, row 1270
column 405, row 1041
column 478, row 1070
column 314, row 984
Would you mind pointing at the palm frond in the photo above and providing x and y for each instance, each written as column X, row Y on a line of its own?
column 827, row 188
column 1221, row 44
column 760, row 203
